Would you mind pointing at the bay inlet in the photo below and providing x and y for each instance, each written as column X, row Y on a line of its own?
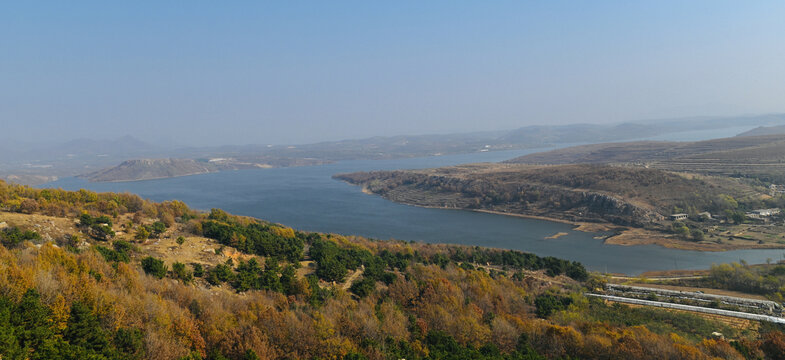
column 307, row 198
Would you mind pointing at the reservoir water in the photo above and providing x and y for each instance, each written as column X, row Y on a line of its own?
column 307, row 198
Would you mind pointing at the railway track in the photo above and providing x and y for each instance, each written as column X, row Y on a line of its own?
column 667, row 305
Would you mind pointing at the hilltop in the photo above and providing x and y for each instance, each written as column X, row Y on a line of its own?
column 764, row 130
column 647, row 151
column 749, row 156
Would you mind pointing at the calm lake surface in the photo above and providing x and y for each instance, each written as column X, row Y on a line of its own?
column 307, row 198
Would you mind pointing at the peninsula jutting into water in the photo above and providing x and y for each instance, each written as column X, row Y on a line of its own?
column 370, row 180
column 308, row 198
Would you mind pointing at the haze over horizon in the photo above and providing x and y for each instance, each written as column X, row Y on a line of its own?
column 282, row 73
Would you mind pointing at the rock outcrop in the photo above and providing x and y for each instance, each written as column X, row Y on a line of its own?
column 581, row 193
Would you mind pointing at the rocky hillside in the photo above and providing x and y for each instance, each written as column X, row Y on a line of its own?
column 600, row 193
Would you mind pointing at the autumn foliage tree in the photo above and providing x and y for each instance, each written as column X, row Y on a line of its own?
column 404, row 300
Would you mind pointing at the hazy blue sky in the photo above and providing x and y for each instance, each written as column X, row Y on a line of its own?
column 298, row 71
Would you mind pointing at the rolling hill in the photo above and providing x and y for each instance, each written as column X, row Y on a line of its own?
column 146, row 169
column 761, row 157
column 764, row 130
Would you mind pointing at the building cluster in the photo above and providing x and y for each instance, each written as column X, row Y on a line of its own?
column 760, row 214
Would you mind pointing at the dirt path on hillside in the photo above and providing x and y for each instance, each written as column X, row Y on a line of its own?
column 350, row 280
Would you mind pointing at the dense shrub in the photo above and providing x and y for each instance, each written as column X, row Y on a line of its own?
column 521, row 260
column 363, row 287
column 12, row 236
column 179, row 272
column 256, row 238
column 154, row 267
column 28, row 331
column 548, row 304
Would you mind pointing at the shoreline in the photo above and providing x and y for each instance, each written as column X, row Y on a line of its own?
column 145, row 179
column 622, row 236
column 238, row 167
column 534, row 217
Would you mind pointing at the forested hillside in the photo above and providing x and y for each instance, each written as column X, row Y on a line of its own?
column 93, row 276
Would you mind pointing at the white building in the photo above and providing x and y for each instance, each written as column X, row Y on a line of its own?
column 766, row 212
column 676, row 217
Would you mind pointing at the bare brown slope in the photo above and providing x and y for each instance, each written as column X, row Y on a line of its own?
column 648, row 151
column 762, row 157
column 765, row 162
column 765, row 130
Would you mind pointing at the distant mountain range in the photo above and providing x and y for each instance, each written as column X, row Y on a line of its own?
column 84, row 148
column 86, row 157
